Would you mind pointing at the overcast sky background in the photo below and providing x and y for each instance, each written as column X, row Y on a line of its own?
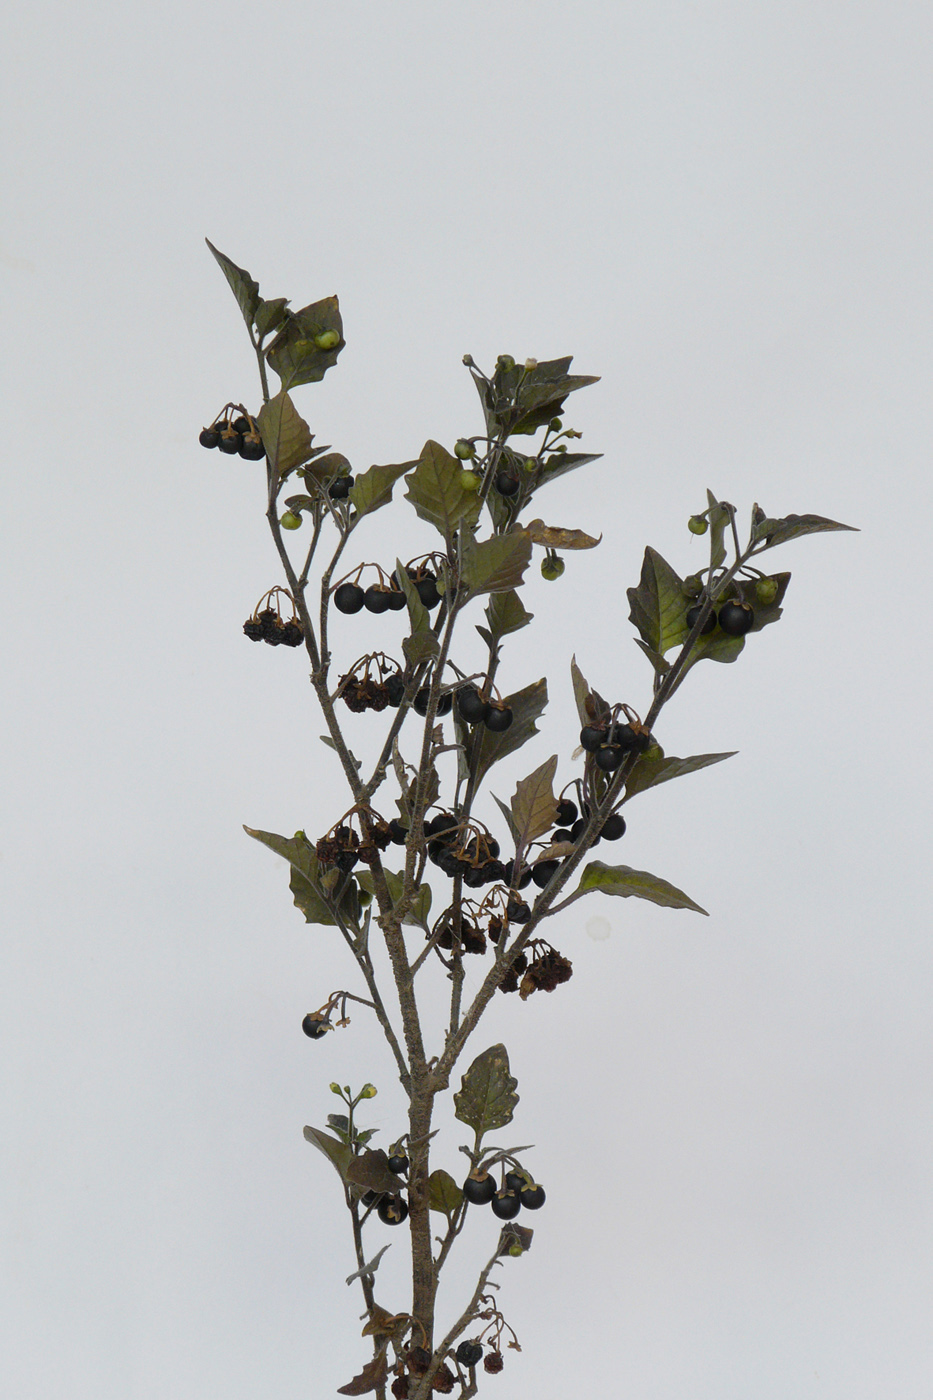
column 725, row 210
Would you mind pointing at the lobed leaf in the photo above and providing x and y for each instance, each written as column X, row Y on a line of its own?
column 658, row 604
column 372, row 1377
column 242, row 285
column 285, row 435
column 496, row 565
column 486, row 1098
column 444, row 1195
column 293, row 353
column 436, row 493
column 622, row 880
column 505, row 613
column 374, row 488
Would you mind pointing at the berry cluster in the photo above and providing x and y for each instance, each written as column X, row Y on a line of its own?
column 474, row 708
column 735, row 618
column 386, row 594
column 372, row 683
column 267, row 625
column 612, row 738
column 545, row 970
column 343, row 847
column 234, row 432
column 516, row 1190
column 390, row 1206
column 470, row 852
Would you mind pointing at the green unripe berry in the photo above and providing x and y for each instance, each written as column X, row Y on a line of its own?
column 552, row 569
column 505, row 363
column 555, row 425
column 365, row 897
column 290, row 521
column 516, row 1250
column 469, row 481
column 530, row 463
column 698, row 525
column 464, row 450
column 326, row 340
column 766, row 590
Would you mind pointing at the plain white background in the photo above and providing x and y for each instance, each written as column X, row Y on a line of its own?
column 723, row 209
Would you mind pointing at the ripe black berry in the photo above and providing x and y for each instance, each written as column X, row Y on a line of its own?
column 613, row 827
column 578, row 828
column 479, row 1188
column 591, row 737
column 427, row 591
column 518, row 911
column 339, row 488
column 532, row 1197
column 392, row 1210
column 566, row 812
column 610, row 757
column 395, row 689
column 397, row 600
column 524, row 880
column 315, row 1025
column 542, row 872
column 506, row 485
column 708, row 626
column 251, row 448
column 398, row 1163
column 376, row 598
column 397, row 832
column 471, row 706
column 506, row 1205
column 736, row 619
column 469, row 1353
column 499, row 718
column 209, row 437
column 348, row 597
column 514, row 1181
column 230, row 442
column 241, row 425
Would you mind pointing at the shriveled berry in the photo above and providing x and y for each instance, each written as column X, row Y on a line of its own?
column 493, row 1363
column 469, row 1353
column 315, row 1025
column 209, row 437
column 499, row 717
column 479, row 1188
column 613, row 827
column 518, row 911
column 471, row 706
column 392, row 1210
column 348, row 597
column 735, row 619
column 566, row 812
column 253, row 629
column 506, row 1205
column 292, row 634
column 692, row 615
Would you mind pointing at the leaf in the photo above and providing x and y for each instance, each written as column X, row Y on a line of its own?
column 242, row 285
column 487, row 1098
column 660, row 665
column 622, row 880
column 285, row 435
column 510, row 1235
column 658, row 604
column 557, row 537
column 374, row 488
column 422, row 644
column 648, row 772
column 496, row 565
column 370, row 1170
column 506, row 614
column 562, row 462
column 718, row 521
column 435, row 491
column 541, row 391
column 590, row 704
column 337, row 1153
column 372, row 1376
column 269, row 315
column 534, row 806
column 444, row 1195
column 330, row 465
column 507, row 813
column 418, row 914
column 293, row 353
column 526, row 705
column 326, row 739
column 792, row 527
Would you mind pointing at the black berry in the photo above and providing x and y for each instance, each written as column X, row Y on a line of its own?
column 315, row 1025
column 376, row 598
column 542, row 872
column 348, row 597
column 230, row 442
column 610, row 757
column 736, row 619
column 209, row 437
column 708, row 626
column 251, row 448
column 613, row 827
column 566, row 812
column 532, row 1197
column 469, row 1353
column 499, row 718
column 398, row 1163
column 506, row 485
column 392, row 1210
column 479, row 1188
column 506, row 1205
column 395, row 689
column 591, row 737
column 514, row 1181
column 339, row 488
column 472, row 707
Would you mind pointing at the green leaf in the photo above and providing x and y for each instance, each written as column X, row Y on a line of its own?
column 622, row 880
column 285, row 435
column 374, row 488
column 658, row 605
column 648, row 772
column 542, row 390
column 293, row 353
column 242, row 285
column 325, row 467
column 658, row 662
column 792, row 527
column 496, row 565
column 444, row 1195
column 718, row 522
column 487, row 1098
column 561, row 462
column 526, row 705
column 590, row 704
column 534, row 806
column 422, row 644
column 370, row 1171
column 435, row 491
column 507, row 813
column 506, row 614
column 337, row 1153
column 305, row 882
column 418, row 914
column 270, row 315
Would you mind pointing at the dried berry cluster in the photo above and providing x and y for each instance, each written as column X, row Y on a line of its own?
column 343, row 847
column 268, row 625
column 542, row 972
column 372, row 683
column 234, row 432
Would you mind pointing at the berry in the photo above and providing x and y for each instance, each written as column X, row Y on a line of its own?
column 561, row 834
column 290, row 521
column 209, row 437
column 376, row 598
column 506, row 484
column 292, row 634
column 698, row 525
column 251, row 448
column 591, row 737
column 766, row 590
column 395, row 689
column 708, row 626
column 398, row 1163
column 514, row 1181
column 464, row 450
column 566, row 812
column 471, row 706
column 426, row 587
column 326, row 340
column 578, row 828
column 253, row 629
column 397, row 599
column 613, row 827
column 469, row 1353
column 470, row 481
column 736, row 619
column 532, row 1197
column 552, row 568
column 499, row 718
column 392, row 1210
column 315, row 1025
column 348, row 597
column 242, row 425
column 493, row 1362
column 518, row 911
column 230, row 442
column 542, row 872
column 506, row 1205
column 524, row 880
column 610, row 757
column 339, row 488
column 479, row 1188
